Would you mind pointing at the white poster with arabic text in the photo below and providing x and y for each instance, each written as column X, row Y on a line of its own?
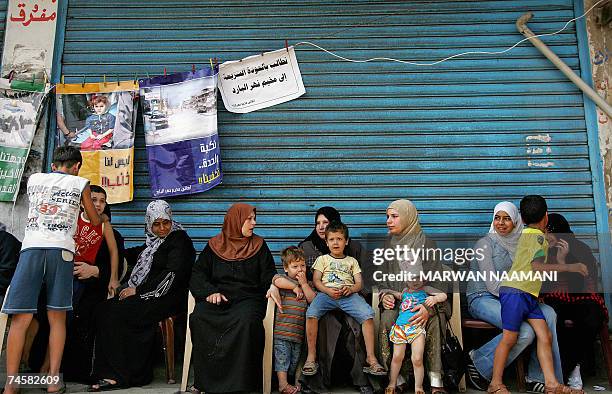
column 29, row 39
column 260, row 81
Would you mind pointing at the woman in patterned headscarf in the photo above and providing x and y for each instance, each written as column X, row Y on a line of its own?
column 229, row 283
column 156, row 289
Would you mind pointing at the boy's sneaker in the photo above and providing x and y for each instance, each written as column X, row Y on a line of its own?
column 535, row 387
column 474, row 378
column 575, row 380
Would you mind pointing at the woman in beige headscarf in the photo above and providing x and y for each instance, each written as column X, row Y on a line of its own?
column 405, row 231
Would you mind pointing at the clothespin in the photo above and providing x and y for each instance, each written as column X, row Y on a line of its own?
column 135, row 79
column 118, row 80
column 193, row 68
column 62, row 79
column 33, row 79
column 212, row 68
column 104, row 79
column 148, row 76
column 165, row 74
column 11, row 76
column 83, row 84
column 45, row 79
column 286, row 46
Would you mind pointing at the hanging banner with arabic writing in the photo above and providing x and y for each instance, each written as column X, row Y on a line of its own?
column 260, row 81
column 29, row 38
column 100, row 119
column 180, row 122
column 20, row 111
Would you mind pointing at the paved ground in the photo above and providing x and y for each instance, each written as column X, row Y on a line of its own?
column 159, row 385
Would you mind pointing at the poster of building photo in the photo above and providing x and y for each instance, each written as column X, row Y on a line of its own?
column 180, row 122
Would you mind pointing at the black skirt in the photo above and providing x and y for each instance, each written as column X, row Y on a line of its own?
column 228, row 344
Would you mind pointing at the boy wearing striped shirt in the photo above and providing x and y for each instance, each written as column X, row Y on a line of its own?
column 289, row 322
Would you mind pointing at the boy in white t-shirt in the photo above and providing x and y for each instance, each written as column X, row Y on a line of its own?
column 47, row 255
column 338, row 279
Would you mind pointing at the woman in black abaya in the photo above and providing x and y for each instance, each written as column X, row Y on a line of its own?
column 229, row 283
column 126, row 325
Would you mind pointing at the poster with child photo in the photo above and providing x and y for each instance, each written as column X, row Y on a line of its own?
column 100, row 119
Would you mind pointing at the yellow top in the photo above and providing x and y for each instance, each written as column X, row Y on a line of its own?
column 531, row 245
column 337, row 272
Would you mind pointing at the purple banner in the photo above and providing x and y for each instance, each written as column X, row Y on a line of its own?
column 184, row 167
column 180, row 121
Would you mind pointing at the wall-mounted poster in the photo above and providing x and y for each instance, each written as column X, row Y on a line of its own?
column 260, row 81
column 100, row 119
column 20, row 111
column 180, row 121
column 29, row 39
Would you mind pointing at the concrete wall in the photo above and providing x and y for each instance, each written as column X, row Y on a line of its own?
column 600, row 45
column 15, row 217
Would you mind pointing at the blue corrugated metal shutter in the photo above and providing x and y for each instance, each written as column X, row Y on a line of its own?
column 455, row 138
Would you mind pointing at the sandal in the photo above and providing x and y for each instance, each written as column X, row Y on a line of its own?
column 561, row 389
column 376, row 369
column 193, row 390
column 60, row 390
column 438, row 390
column 104, row 385
column 289, row 389
column 390, row 390
column 420, row 391
column 499, row 389
column 310, row 368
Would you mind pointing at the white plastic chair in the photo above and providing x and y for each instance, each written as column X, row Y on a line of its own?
column 268, row 323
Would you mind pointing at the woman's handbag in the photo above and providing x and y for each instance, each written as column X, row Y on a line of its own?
column 453, row 359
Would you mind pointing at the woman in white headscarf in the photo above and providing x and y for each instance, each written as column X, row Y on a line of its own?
column 156, row 289
column 497, row 249
column 405, row 232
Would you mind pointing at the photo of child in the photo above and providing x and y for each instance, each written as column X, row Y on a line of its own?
column 99, row 126
column 96, row 121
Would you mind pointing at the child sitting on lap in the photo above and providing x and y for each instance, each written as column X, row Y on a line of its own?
column 338, row 278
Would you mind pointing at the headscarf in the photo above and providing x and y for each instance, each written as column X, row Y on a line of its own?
column 573, row 288
column 557, row 224
column 510, row 241
column 230, row 244
column 578, row 252
column 412, row 236
column 411, row 233
column 333, row 216
column 158, row 209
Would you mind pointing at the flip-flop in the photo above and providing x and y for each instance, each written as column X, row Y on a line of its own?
column 310, row 368
column 375, row 369
column 499, row 389
column 289, row 389
column 104, row 385
column 61, row 390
